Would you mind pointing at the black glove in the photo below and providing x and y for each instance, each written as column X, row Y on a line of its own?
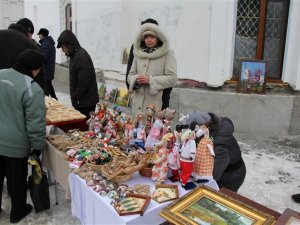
column 36, row 153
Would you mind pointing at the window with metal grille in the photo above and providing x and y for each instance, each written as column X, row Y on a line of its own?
column 260, row 34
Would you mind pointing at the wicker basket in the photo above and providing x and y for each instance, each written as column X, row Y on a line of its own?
column 121, row 178
column 95, row 167
column 146, row 171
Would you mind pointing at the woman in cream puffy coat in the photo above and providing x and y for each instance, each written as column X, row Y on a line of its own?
column 154, row 68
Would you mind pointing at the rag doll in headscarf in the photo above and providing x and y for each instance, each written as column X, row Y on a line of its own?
column 155, row 133
column 160, row 162
column 173, row 157
column 204, row 159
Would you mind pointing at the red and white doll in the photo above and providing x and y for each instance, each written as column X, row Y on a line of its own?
column 187, row 155
column 160, row 163
column 173, row 157
column 204, row 159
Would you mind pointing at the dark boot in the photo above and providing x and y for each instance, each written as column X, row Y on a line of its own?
column 27, row 211
column 296, row 197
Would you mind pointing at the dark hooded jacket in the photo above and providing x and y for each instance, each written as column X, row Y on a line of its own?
column 229, row 167
column 83, row 84
column 12, row 42
column 48, row 49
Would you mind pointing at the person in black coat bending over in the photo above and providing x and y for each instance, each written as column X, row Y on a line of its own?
column 167, row 91
column 82, row 75
column 48, row 49
column 229, row 167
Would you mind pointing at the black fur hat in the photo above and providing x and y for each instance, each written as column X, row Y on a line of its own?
column 27, row 24
column 30, row 59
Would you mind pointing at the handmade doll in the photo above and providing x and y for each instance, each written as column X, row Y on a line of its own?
column 97, row 129
column 204, row 159
column 150, row 114
column 128, row 131
column 156, row 131
column 187, row 156
column 91, row 121
column 169, row 115
column 101, row 110
column 139, row 130
column 110, row 130
column 173, row 157
column 160, row 163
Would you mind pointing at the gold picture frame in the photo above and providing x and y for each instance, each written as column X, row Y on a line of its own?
column 289, row 217
column 204, row 204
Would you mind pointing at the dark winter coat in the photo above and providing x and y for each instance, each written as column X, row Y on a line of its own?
column 83, row 84
column 229, row 167
column 12, row 43
column 48, row 49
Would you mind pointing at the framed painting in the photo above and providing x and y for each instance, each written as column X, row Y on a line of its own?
column 132, row 204
column 165, row 192
column 101, row 91
column 123, row 96
column 204, row 205
column 289, row 217
column 252, row 76
column 110, row 93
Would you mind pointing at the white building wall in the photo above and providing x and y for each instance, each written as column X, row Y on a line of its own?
column 291, row 63
column 44, row 14
column 202, row 33
column 10, row 12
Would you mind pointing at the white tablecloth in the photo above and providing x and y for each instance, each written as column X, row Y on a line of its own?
column 54, row 160
column 91, row 208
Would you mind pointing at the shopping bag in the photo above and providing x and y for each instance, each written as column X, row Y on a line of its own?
column 39, row 187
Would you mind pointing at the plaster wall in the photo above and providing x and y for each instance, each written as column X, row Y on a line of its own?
column 44, row 14
column 291, row 66
column 202, row 33
column 10, row 12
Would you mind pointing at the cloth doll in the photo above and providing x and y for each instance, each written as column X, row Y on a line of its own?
column 204, row 159
column 150, row 114
column 101, row 110
column 128, row 127
column 187, row 155
column 160, row 163
column 156, row 131
column 169, row 115
column 139, row 133
column 173, row 157
column 91, row 121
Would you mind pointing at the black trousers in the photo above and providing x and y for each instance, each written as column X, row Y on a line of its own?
column 86, row 110
column 16, row 171
column 49, row 90
column 166, row 98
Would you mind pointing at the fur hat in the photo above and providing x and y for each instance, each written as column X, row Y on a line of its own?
column 149, row 32
column 27, row 24
column 44, row 32
column 149, row 20
column 31, row 59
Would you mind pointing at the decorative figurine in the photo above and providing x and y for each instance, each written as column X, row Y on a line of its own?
column 204, row 159
column 169, row 115
column 160, row 167
column 156, row 131
column 173, row 158
column 91, row 121
column 187, row 156
column 150, row 114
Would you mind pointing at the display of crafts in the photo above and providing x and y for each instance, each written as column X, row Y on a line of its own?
column 116, row 146
column 165, row 193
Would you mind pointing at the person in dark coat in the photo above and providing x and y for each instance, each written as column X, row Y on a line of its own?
column 167, row 91
column 229, row 167
column 83, row 84
column 28, row 25
column 48, row 49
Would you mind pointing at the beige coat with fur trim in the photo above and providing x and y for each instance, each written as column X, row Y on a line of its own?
column 160, row 66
